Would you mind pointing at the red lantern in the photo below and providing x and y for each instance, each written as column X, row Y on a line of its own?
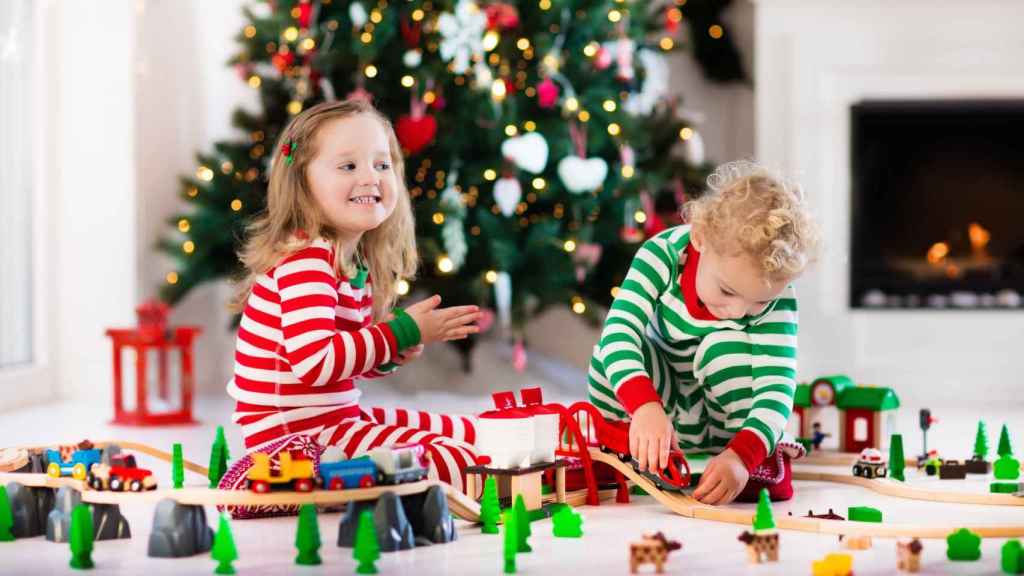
column 153, row 336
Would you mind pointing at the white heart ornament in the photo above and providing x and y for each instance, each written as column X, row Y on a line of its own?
column 507, row 194
column 582, row 175
column 529, row 152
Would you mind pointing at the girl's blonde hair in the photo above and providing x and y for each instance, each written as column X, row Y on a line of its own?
column 293, row 219
column 749, row 210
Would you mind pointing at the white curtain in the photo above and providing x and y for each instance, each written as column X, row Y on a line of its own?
column 16, row 185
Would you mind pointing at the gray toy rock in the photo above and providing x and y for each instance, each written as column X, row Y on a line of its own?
column 179, row 530
column 393, row 529
column 108, row 523
column 436, row 523
column 58, row 522
column 29, row 506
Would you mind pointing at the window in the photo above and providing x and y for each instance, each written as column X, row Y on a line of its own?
column 860, row 430
column 17, row 326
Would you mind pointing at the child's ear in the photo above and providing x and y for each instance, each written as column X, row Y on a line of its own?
column 697, row 238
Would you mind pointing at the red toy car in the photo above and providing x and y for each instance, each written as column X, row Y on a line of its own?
column 122, row 474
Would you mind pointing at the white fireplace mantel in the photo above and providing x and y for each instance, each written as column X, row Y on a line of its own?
column 813, row 60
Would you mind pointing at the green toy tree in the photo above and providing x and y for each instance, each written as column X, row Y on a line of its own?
column 523, row 529
column 177, row 466
column 896, row 460
column 1006, row 468
column 81, row 537
column 764, row 520
column 6, row 517
column 1004, row 449
column 963, row 545
column 586, row 81
column 307, row 538
column 981, row 442
column 511, row 543
column 490, row 509
column 1012, row 557
column 224, row 551
column 367, row 549
column 218, row 458
column 567, row 524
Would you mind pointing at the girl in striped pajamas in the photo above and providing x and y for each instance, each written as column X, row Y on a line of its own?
column 324, row 262
column 699, row 346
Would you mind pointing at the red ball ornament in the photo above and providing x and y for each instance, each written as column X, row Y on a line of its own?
column 411, row 32
column 603, row 59
column 305, row 12
column 283, row 61
column 415, row 134
column 439, row 102
column 547, row 93
column 502, row 16
column 510, row 86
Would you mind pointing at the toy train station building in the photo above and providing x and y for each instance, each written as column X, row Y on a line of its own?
column 867, row 414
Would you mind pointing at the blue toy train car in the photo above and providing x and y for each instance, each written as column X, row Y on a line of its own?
column 384, row 465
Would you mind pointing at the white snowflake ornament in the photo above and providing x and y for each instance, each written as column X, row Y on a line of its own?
column 463, row 34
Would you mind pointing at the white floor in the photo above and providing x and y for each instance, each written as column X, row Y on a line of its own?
column 266, row 546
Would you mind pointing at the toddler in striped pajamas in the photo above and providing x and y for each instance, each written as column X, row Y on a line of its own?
column 699, row 346
column 324, row 263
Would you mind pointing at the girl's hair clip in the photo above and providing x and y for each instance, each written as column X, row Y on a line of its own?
column 288, row 150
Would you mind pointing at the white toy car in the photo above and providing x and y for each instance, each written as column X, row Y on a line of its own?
column 870, row 464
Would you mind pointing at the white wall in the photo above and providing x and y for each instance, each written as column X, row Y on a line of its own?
column 813, row 60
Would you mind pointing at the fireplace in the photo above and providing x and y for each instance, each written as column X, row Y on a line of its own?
column 937, row 204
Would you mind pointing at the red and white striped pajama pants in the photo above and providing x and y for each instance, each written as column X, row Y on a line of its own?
column 448, row 438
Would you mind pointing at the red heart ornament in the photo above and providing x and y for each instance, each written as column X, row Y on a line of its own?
column 415, row 134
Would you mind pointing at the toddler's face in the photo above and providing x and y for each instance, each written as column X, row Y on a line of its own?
column 352, row 177
column 731, row 286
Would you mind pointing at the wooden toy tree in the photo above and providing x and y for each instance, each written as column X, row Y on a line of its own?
column 177, row 466
column 523, row 527
column 981, row 442
column 367, row 549
column 218, row 458
column 224, row 551
column 764, row 520
column 511, row 545
column 6, row 517
column 307, row 538
column 896, row 460
column 1004, row 449
column 81, row 537
column 490, row 509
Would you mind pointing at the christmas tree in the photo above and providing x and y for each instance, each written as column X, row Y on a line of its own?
column 177, row 466
column 307, row 538
column 367, row 549
column 224, row 551
column 81, row 537
column 1004, row 449
column 981, row 442
column 490, row 509
column 538, row 136
column 896, row 459
column 763, row 520
column 6, row 516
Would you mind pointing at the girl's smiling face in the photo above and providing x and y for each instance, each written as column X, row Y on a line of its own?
column 730, row 285
column 352, row 177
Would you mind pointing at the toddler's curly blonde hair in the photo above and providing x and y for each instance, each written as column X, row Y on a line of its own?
column 749, row 210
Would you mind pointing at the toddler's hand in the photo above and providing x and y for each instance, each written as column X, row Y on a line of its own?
column 650, row 437
column 409, row 355
column 440, row 324
column 723, row 479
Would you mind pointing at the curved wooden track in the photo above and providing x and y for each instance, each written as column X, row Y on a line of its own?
column 685, row 505
column 900, row 490
column 460, row 504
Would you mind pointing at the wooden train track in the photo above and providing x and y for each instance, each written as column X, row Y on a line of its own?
column 889, row 487
column 685, row 505
column 460, row 504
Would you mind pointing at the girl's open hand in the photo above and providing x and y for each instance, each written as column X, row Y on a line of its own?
column 651, row 437
column 441, row 324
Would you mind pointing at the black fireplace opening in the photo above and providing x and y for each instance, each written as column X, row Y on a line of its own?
column 937, row 205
